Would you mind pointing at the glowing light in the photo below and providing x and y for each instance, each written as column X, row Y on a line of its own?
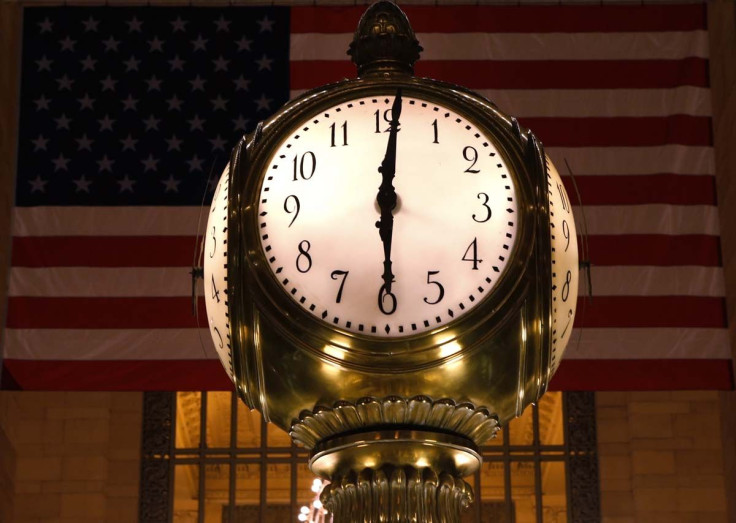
column 317, row 504
column 302, row 517
column 305, row 509
column 448, row 349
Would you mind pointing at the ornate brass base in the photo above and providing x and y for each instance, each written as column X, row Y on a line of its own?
column 396, row 475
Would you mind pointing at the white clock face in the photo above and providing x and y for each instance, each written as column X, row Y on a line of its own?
column 564, row 265
column 454, row 224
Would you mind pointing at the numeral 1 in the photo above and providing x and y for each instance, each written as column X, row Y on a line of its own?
column 344, row 134
column 434, row 126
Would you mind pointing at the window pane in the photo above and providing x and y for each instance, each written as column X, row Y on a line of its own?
column 521, row 429
column 247, row 492
column 277, row 437
column 278, row 493
column 522, row 491
column 554, row 500
column 216, row 492
column 188, row 412
column 249, row 427
column 550, row 419
column 491, row 482
column 186, row 493
column 218, row 419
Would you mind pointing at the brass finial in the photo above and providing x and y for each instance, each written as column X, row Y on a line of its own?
column 384, row 41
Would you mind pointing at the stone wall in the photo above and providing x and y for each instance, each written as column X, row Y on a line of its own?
column 69, row 457
column 661, row 457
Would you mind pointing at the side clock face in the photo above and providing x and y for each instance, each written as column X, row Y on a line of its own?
column 387, row 216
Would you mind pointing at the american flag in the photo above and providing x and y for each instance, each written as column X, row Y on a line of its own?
column 125, row 111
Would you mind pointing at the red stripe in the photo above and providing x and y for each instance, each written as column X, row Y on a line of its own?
column 673, row 189
column 527, row 19
column 209, row 375
column 629, row 131
column 644, row 375
column 103, row 251
column 175, row 313
column 654, row 249
column 531, row 74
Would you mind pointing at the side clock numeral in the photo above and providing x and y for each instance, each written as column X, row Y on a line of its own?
column 335, row 275
column 215, row 292
column 293, row 210
column 566, row 287
column 386, row 301
column 566, row 233
column 214, row 244
column 386, row 118
column 219, row 336
column 473, row 251
column 434, row 127
column 471, row 155
column 563, row 197
column 306, row 166
column 304, row 260
column 440, row 288
column 333, row 130
column 483, row 196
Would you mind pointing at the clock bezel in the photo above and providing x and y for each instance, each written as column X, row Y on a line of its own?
column 265, row 296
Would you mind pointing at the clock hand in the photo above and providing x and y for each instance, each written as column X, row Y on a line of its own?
column 387, row 193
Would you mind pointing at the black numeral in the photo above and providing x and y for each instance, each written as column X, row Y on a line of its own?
column 566, row 233
column 473, row 247
column 304, row 247
column 335, row 275
column 383, row 294
column 471, row 155
column 440, row 288
column 434, row 126
column 563, row 197
column 344, row 134
column 215, row 292
column 214, row 244
column 566, row 287
column 569, row 318
column 306, row 166
column 483, row 196
column 217, row 331
column 386, row 117
column 294, row 210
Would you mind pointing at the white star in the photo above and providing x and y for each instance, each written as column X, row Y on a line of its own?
column 82, row 184
column 108, row 84
column 84, row 143
column 40, row 143
column 178, row 24
column 105, row 164
column 241, row 83
column 171, row 184
column 149, row 163
column 130, row 103
column 199, row 43
column 151, row 123
column 45, row 25
column 65, row 83
column 134, row 25
column 126, row 184
column 218, row 144
column 131, row 64
column 86, row 102
column 195, row 164
column 177, row 64
column 38, row 184
column 263, row 103
column 197, row 84
column 264, row 63
column 129, row 143
column 196, row 123
column 240, row 123
column 88, row 63
column 266, row 24
column 174, row 143
column 67, row 44
column 90, row 24
column 154, row 84
column 106, row 123
column 111, row 44
column 44, row 64
column 220, row 64
column 41, row 103
column 174, row 103
column 60, row 163
column 244, row 44
column 156, row 44
column 62, row 122
column 222, row 24
column 218, row 103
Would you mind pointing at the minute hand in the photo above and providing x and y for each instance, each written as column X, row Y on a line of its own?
column 387, row 193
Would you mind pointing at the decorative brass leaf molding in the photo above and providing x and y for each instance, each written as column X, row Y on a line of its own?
column 476, row 424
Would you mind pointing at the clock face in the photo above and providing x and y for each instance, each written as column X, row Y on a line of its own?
column 366, row 269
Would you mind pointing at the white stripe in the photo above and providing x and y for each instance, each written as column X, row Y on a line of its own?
column 656, row 281
column 665, row 159
column 109, row 344
column 605, row 103
column 176, row 281
column 184, row 344
column 626, row 344
column 649, row 219
column 665, row 45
